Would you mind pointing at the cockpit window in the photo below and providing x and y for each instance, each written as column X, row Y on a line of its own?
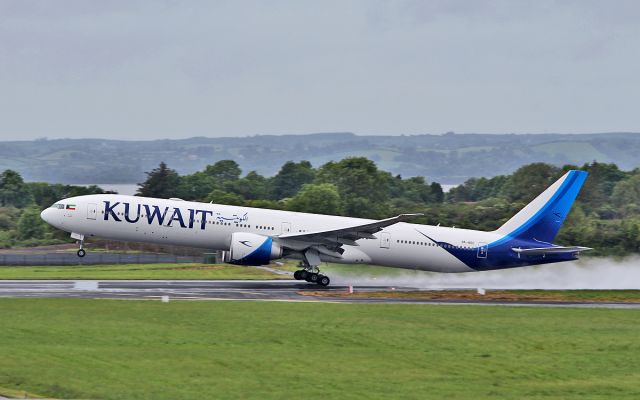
column 59, row 206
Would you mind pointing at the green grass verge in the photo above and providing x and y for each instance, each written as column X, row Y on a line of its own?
column 137, row 271
column 110, row 349
column 609, row 296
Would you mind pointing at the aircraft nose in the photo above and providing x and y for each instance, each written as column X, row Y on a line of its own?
column 46, row 215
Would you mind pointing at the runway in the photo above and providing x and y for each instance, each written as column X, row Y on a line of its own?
column 263, row 290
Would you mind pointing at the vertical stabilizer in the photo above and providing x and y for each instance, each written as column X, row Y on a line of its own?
column 541, row 219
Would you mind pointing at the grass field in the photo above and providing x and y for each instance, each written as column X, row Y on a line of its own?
column 72, row 348
column 137, row 271
column 177, row 271
column 612, row 296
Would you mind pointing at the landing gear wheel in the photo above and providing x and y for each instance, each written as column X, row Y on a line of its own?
column 324, row 280
column 299, row 275
column 81, row 253
column 312, row 277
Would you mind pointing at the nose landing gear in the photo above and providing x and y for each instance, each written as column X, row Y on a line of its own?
column 80, row 238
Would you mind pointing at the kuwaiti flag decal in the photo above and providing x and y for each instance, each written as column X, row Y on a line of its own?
column 71, row 207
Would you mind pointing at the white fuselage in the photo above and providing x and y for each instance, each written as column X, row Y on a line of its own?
column 210, row 226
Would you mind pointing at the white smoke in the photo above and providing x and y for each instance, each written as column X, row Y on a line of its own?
column 590, row 273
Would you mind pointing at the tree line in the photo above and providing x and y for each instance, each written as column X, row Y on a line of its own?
column 606, row 215
column 353, row 187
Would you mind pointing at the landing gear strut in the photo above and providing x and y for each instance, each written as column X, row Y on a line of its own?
column 80, row 238
column 309, row 269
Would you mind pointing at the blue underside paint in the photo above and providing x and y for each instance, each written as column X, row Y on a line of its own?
column 260, row 256
column 537, row 231
column 502, row 256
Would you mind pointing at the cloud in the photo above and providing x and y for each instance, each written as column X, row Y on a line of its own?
column 143, row 69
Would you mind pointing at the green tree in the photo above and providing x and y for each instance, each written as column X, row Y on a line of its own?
column 626, row 196
column 291, row 177
column 223, row 172
column 599, row 186
column 252, row 187
column 322, row 198
column 162, row 182
column 529, row 181
column 218, row 196
column 13, row 191
column 437, row 194
column 364, row 189
column 8, row 218
column 195, row 186
column 477, row 189
column 30, row 225
column 418, row 191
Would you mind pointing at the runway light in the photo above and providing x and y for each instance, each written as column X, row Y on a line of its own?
column 165, row 299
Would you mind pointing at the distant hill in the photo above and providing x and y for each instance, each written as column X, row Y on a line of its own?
column 449, row 158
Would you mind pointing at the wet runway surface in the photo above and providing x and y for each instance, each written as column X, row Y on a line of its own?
column 269, row 290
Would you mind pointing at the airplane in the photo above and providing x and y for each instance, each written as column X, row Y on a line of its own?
column 254, row 236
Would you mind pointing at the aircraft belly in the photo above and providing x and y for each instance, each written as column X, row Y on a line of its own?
column 430, row 259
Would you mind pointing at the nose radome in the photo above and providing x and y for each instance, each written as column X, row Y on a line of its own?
column 46, row 215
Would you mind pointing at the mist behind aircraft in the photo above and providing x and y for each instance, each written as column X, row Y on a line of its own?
column 587, row 273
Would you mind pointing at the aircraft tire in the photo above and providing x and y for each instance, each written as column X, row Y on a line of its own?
column 312, row 277
column 81, row 253
column 324, row 280
column 299, row 274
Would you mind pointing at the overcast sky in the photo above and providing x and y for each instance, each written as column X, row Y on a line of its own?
column 153, row 69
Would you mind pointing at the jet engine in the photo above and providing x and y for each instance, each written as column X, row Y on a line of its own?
column 251, row 249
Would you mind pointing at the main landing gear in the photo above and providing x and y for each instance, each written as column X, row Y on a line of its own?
column 312, row 277
column 309, row 269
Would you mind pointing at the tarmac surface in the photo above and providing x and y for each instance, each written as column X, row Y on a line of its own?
column 265, row 290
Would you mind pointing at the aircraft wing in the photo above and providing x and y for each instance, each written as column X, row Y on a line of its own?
column 551, row 250
column 347, row 235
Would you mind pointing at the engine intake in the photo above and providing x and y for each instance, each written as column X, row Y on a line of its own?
column 251, row 249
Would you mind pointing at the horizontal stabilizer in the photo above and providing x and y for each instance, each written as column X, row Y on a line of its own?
column 551, row 250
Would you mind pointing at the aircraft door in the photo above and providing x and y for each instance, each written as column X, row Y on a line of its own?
column 385, row 240
column 483, row 249
column 286, row 227
column 92, row 211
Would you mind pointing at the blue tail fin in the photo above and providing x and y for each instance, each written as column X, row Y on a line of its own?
column 541, row 219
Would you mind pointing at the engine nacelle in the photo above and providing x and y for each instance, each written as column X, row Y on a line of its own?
column 251, row 249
